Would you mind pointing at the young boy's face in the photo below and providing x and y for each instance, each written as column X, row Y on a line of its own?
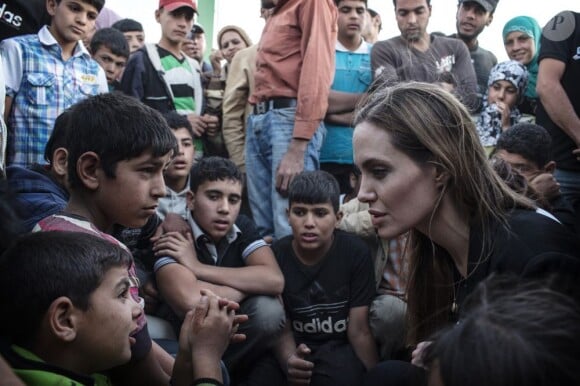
column 175, row 24
column 183, row 160
column 215, row 206
column 135, row 40
column 71, row 19
column 130, row 198
column 103, row 335
column 312, row 225
column 524, row 166
column 111, row 63
column 351, row 18
column 502, row 91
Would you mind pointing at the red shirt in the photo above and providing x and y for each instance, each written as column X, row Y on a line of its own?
column 296, row 59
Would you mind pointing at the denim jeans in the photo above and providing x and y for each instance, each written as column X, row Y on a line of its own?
column 267, row 139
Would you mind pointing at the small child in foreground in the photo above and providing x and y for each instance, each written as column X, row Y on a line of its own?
column 72, row 331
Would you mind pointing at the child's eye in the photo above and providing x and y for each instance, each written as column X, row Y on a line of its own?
column 320, row 212
column 234, row 200
column 299, row 212
column 125, row 293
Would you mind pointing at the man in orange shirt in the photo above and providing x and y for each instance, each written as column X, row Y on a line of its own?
column 292, row 83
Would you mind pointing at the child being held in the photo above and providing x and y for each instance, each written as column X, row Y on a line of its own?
column 506, row 87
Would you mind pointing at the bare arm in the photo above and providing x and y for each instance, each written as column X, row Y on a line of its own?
column 341, row 102
column 7, row 375
column 554, row 98
column 261, row 275
column 343, row 119
column 360, row 337
column 180, row 288
column 292, row 359
column 7, row 107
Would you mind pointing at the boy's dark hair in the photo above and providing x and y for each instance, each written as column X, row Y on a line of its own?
column 58, row 137
column 116, row 127
column 112, row 39
column 178, row 121
column 395, row 3
column 128, row 25
column 213, row 169
column 317, row 187
column 41, row 267
column 512, row 333
column 337, row 2
column 528, row 140
column 98, row 4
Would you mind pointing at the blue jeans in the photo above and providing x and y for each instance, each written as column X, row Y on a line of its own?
column 267, row 139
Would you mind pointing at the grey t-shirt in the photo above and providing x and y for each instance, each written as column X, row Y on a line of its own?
column 446, row 60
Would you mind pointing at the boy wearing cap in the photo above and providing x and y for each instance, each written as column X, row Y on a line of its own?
column 471, row 19
column 163, row 77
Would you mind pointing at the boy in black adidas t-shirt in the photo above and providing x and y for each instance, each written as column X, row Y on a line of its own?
column 329, row 287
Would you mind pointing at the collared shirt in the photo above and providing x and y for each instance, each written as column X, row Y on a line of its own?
column 232, row 251
column 32, row 370
column 42, row 86
column 296, row 59
column 174, row 202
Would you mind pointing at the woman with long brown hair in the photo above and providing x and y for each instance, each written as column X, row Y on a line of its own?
column 425, row 171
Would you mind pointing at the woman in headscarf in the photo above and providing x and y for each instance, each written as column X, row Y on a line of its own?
column 521, row 39
column 231, row 39
column 506, row 87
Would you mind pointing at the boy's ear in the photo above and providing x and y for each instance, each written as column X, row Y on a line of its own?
column 550, row 167
column 51, row 7
column 60, row 161
column 157, row 14
column 190, row 199
column 63, row 319
column 338, row 217
column 88, row 167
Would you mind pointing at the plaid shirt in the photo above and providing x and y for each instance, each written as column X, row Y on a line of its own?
column 42, row 86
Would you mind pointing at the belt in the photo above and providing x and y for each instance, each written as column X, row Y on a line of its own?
column 274, row 103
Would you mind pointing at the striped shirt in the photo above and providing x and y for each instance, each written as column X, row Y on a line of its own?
column 42, row 86
column 179, row 77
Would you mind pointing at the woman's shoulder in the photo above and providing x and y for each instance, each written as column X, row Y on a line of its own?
column 532, row 233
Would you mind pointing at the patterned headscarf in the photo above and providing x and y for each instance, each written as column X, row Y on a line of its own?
column 530, row 27
column 489, row 125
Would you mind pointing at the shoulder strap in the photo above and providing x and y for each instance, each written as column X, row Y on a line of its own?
column 153, row 55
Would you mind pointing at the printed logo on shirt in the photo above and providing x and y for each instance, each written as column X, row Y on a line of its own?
column 88, row 78
column 577, row 56
column 9, row 17
column 316, row 325
column 560, row 27
column 445, row 64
